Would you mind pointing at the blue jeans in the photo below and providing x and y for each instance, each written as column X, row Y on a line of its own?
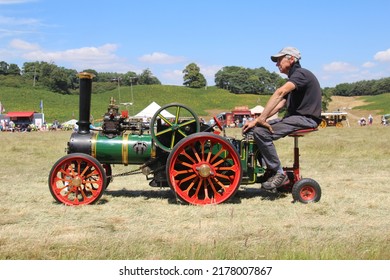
column 282, row 127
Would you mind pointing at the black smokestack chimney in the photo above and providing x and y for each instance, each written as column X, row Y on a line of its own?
column 85, row 102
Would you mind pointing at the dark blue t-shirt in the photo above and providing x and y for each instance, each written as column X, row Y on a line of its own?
column 306, row 99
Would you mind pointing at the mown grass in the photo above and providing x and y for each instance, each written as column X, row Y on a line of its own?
column 135, row 221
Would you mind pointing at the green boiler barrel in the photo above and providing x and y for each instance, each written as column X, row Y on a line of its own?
column 122, row 149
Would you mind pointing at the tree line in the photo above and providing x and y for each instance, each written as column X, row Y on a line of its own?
column 66, row 81
column 370, row 87
column 237, row 80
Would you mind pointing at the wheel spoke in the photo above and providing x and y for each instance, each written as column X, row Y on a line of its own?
column 187, row 179
column 195, row 152
column 173, row 139
column 178, row 109
column 170, row 129
column 184, row 153
column 198, row 187
column 213, row 187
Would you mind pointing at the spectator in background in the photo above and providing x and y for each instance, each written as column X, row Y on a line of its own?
column 11, row 126
column 362, row 121
column 370, row 119
column 244, row 120
column 384, row 121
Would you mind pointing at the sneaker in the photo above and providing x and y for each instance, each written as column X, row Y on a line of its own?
column 275, row 182
column 267, row 176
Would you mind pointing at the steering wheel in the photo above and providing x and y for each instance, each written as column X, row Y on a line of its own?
column 171, row 123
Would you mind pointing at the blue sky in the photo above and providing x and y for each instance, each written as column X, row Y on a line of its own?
column 340, row 41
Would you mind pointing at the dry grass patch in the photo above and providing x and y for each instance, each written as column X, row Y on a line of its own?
column 135, row 221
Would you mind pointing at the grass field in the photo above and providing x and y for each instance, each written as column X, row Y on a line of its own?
column 135, row 221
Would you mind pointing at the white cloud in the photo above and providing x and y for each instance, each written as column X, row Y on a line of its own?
column 340, row 67
column 382, row 56
column 23, row 45
column 161, row 58
column 368, row 64
column 35, row 52
column 11, row 27
column 209, row 71
column 102, row 58
column 18, row 21
column 10, row 2
column 171, row 77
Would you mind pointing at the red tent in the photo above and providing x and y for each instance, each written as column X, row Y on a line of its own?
column 20, row 114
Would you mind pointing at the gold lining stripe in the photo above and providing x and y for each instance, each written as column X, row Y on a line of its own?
column 125, row 149
column 93, row 145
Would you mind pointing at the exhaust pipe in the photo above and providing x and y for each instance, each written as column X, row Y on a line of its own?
column 85, row 102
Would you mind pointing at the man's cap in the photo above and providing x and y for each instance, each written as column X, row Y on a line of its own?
column 286, row 51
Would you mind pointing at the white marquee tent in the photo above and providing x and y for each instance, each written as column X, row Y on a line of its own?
column 259, row 109
column 70, row 122
column 151, row 109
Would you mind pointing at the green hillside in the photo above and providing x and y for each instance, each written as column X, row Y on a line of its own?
column 377, row 102
column 205, row 102
column 65, row 107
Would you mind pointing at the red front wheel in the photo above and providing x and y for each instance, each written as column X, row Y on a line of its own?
column 77, row 179
column 204, row 169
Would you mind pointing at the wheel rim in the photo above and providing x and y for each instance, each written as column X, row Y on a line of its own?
column 204, row 169
column 77, row 180
column 307, row 193
column 184, row 123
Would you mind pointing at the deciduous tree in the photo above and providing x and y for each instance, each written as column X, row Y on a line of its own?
column 192, row 76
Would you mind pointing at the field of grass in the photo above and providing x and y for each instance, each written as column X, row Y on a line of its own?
column 135, row 221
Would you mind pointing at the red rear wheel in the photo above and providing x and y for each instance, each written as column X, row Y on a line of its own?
column 204, row 168
column 77, row 179
column 306, row 190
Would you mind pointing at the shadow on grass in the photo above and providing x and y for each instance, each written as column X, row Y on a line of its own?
column 166, row 193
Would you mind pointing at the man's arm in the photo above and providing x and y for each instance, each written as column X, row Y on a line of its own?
column 276, row 102
column 278, row 107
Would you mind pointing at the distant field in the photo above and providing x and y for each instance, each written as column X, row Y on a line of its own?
column 65, row 107
column 135, row 221
column 380, row 103
column 205, row 102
